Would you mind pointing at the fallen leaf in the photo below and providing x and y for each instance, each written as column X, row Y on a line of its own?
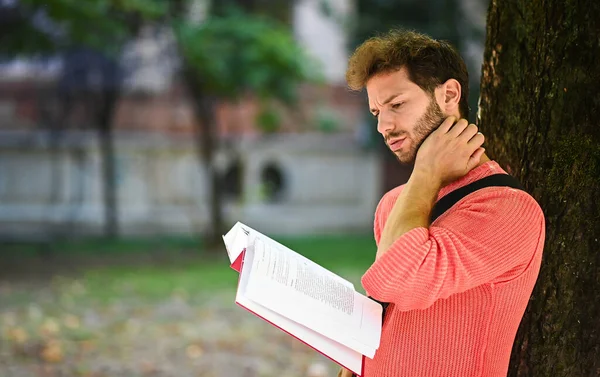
column 50, row 327
column 52, row 352
column 194, row 351
column 71, row 321
column 18, row 335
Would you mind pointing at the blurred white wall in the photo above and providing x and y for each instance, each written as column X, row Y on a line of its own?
column 330, row 185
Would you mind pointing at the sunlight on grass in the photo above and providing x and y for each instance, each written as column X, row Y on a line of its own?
column 157, row 282
column 189, row 269
column 347, row 256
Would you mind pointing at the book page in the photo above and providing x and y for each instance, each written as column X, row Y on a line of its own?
column 337, row 352
column 275, row 269
column 236, row 240
column 242, row 236
column 307, row 293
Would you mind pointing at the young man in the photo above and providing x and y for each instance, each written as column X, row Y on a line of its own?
column 457, row 287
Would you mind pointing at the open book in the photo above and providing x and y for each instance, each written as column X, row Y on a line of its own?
column 303, row 298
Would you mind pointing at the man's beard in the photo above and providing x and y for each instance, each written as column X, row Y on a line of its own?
column 429, row 122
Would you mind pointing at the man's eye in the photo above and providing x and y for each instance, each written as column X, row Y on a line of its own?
column 397, row 105
column 375, row 115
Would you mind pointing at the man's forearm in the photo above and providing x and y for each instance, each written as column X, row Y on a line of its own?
column 411, row 210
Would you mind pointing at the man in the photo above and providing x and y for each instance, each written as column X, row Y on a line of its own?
column 457, row 288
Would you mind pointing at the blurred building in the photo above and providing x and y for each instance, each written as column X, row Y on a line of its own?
column 313, row 175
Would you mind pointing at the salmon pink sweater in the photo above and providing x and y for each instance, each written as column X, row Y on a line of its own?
column 458, row 289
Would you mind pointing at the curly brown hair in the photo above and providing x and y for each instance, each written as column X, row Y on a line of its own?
column 429, row 62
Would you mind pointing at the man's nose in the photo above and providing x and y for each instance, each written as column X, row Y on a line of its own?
column 385, row 123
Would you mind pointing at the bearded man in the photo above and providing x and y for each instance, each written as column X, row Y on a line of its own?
column 454, row 282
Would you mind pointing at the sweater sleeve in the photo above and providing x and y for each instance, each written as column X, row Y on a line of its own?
column 489, row 237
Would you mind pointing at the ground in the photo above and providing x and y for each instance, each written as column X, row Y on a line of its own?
column 149, row 314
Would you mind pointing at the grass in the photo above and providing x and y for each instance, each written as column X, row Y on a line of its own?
column 168, row 266
column 347, row 256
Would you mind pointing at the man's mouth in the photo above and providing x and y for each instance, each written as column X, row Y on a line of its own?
column 396, row 144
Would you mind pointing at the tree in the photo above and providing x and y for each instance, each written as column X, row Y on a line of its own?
column 226, row 57
column 540, row 113
column 95, row 78
column 89, row 36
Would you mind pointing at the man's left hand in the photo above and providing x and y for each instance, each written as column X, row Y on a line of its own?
column 450, row 152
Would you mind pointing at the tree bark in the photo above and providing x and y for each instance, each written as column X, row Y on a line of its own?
column 108, row 100
column 540, row 113
column 206, row 142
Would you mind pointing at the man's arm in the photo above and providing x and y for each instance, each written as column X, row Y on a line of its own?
column 491, row 237
column 411, row 210
column 447, row 154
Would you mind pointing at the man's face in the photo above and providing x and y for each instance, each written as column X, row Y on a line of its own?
column 405, row 113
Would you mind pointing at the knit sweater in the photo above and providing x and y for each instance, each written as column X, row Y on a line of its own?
column 458, row 289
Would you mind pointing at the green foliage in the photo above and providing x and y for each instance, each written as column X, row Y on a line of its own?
column 230, row 55
column 241, row 53
column 99, row 24
column 326, row 120
column 268, row 119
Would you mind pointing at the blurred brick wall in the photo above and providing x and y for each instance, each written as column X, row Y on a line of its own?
column 34, row 104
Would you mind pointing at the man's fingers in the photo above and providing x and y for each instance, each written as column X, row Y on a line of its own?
column 447, row 124
column 475, row 158
column 477, row 140
column 458, row 128
column 468, row 133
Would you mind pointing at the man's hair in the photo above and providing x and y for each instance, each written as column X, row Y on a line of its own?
column 429, row 62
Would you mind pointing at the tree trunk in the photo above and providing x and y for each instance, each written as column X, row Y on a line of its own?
column 108, row 101
column 206, row 140
column 540, row 112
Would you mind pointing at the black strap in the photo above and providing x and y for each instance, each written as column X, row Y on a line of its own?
column 450, row 199
column 455, row 196
column 384, row 305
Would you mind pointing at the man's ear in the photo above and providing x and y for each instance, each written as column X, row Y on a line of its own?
column 448, row 96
